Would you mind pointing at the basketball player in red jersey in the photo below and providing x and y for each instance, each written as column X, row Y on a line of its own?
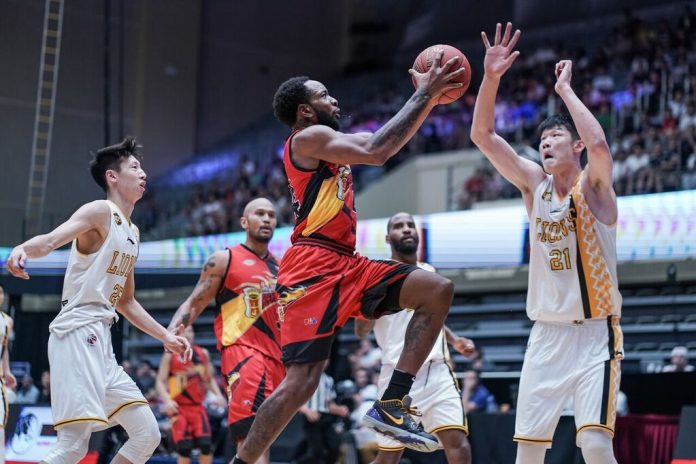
column 182, row 386
column 242, row 280
column 322, row 282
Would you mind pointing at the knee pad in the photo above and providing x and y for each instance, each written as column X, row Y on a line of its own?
column 143, row 433
column 72, row 444
column 204, row 445
column 184, row 447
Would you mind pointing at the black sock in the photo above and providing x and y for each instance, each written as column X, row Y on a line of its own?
column 237, row 460
column 399, row 385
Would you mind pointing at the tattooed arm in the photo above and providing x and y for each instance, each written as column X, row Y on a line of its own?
column 321, row 143
column 209, row 283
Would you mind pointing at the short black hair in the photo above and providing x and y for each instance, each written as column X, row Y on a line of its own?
column 288, row 97
column 562, row 120
column 111, row 157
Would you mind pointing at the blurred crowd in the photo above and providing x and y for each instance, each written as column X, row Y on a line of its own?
column 639, row 82
column 640, row 86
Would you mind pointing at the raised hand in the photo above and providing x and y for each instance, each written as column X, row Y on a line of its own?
column 499, row 56
column 438, row 79
column 564, row 73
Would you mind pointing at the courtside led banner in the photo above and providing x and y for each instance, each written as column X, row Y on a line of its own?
column 650, row 227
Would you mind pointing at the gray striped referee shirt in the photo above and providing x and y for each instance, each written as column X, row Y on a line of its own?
column 323, row 395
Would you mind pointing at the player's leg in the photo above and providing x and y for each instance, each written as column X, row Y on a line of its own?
column 265, row 457
column 388, row 457
column 597, row 391
column 201, row 434
column 530, row 453
column 596, row 446
column 430, row 296
column 181, row 436
column 456, row 446
column 183, row 450
column 546, row 383
column 276, row 411
column 143, row 434
column 204, row 444
column 71, row 445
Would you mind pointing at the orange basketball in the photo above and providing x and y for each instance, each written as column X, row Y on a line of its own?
column 425, row 59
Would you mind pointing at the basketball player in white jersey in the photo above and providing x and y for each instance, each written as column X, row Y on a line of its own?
column 6, row 377
column 89, row 390
column 435, row 392
column 575, row 346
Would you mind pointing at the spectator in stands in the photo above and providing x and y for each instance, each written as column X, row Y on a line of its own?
column 45, row 393
column 680, row 361
column 145, row 378
column 128, row 368
column 27, row 393
column 688, row 118
column 320, row 414
column 475, row 395
column 367, row 355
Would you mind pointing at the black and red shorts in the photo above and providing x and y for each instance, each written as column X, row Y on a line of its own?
column 320, row 289
column 251, row 378
column 190, row 424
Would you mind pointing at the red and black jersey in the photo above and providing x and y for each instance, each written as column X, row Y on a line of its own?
column 323, row 202
column 187, row 379
column 247, row 303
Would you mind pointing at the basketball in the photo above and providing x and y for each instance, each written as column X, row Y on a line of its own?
column 425, row 59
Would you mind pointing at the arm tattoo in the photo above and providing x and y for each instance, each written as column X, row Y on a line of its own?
column 185, row 318
column 396, row 130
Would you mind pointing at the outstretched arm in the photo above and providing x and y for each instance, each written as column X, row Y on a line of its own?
column 169, row 405
column 93, row 216
column 209, row 283
column 599, row 160
column 463, row 345
column 132, row 310
column 522, row 173
column 212, row 384
column 320, row 142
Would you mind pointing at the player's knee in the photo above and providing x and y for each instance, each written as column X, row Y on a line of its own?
column 596, row 446
column 184, row 447
column 71, row 446
column 143, row 434
column 204, row 445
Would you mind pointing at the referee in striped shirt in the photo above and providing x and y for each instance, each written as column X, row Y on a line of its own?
column 320, row 415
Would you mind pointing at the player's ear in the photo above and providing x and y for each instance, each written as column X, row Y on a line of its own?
column 244, row 222
column 386, row 239
column 578, row 146
column 110, row 174
column 305, row 111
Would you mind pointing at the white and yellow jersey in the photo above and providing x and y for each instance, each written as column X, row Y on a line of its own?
column 390, row 332
column 572, row 262
column 94, row 283
column 5, row 324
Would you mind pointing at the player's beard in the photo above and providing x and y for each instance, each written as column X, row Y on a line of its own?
column 326, row 119
column 406, row 248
